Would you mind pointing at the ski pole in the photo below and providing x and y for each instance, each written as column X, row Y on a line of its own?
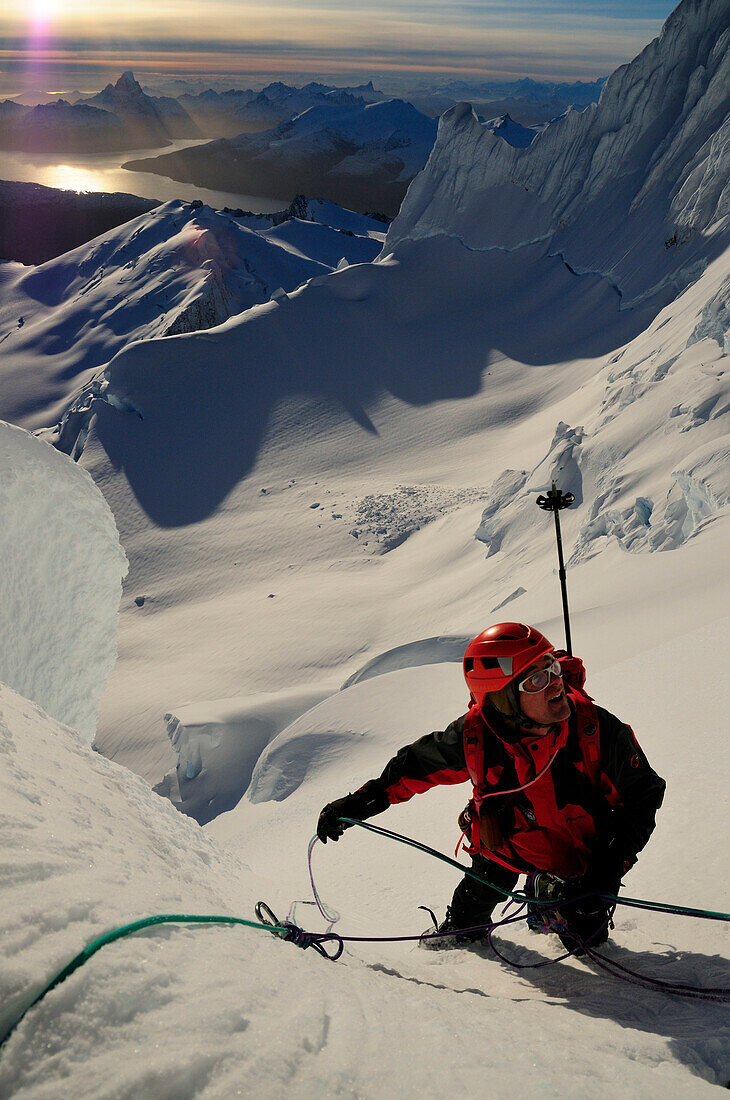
column 553, row 502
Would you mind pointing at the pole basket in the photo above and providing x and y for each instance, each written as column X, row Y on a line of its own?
column 555, row 500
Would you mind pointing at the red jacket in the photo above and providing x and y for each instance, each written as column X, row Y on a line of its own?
column 545, row 800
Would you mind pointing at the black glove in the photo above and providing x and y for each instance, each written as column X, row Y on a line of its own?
column 370, row 799
column 606, row 868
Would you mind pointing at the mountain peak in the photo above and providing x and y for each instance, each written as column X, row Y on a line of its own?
column 127, row 82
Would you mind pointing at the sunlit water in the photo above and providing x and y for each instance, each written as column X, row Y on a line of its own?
column 103, row 172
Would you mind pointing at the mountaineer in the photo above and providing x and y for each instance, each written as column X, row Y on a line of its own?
column 562, row 792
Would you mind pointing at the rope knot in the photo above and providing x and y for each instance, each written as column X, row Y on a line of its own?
column 317, row 940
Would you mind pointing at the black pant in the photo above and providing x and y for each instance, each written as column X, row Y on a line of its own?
column 473, row 902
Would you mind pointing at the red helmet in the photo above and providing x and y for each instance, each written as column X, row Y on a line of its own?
column 499, row 654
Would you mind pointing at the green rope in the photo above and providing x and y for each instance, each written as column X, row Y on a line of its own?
column 128, row 930
column 183, row 918
column 681, row 910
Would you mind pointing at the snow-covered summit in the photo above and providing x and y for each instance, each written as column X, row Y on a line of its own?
column 514, row 133
column 179, row 268
column 630, row 188
column 389, row 126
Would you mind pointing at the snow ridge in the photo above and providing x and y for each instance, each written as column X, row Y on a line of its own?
column 632, row 187
column 179, row 268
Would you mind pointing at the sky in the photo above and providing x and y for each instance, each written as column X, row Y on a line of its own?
column 74, row 41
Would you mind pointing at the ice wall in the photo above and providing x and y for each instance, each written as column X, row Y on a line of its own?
column 60, row 582
column 630, row 188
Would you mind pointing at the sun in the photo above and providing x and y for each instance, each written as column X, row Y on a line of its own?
column 43, row 12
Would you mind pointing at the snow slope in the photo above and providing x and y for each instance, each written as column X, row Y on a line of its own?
column 318, row 498
column 347, row 437
column 206, row 1012
column 175, row 269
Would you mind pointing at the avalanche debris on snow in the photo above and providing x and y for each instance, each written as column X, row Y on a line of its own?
column 388, row 519
column 60, row 583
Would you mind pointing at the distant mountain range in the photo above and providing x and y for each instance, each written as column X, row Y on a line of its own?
column 231, row 113
column 578, row 94
column 121, row 117
column 353, row 146
column 127, row 116
column 61, row 127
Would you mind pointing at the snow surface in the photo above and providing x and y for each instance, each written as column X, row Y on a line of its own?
column 218, row 745
column 389, row 127
column 211, row 1012
column 328, row 428
column 60, row 584
column 321, row 498
column 514, row 133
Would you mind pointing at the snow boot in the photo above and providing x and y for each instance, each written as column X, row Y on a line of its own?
column 448, row 935
column 577, row 924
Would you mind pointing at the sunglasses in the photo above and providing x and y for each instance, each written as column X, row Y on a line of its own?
column 538, row 681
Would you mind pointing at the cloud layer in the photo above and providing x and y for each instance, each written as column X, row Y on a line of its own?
column 495, row 38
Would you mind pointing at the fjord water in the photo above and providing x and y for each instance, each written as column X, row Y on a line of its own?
column 103, row 172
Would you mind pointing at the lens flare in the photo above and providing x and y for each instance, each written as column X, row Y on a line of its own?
column 42, row 13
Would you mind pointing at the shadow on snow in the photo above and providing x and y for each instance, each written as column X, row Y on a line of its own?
column 423, row 329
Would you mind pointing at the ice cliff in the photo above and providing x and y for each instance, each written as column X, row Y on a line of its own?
column 60, row 584
column 634, row 188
